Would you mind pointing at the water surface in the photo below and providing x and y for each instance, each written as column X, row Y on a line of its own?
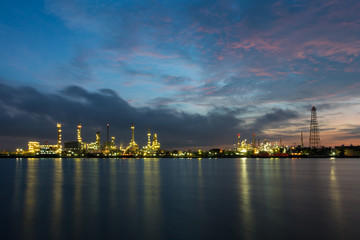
column 180, row 198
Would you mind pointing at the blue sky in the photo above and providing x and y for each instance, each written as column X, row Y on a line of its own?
column 260, row 64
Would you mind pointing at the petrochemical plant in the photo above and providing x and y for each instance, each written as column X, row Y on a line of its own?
column 242, row 148
column 107, row 148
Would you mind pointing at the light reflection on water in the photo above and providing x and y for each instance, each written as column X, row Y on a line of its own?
column 77, row 198
column 151, row 198
column 181, row 198
column 112, row 183
column 30, row 199
column 245, row 200
column 57, row 191
column 336, row 204
column 132, row 191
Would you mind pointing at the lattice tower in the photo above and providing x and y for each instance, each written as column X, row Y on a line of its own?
column 314, row 140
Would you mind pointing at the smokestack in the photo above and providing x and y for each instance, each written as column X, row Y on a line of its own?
column 253, row 141
column 133, row 135
column 302, row 140
column 59, row 138
column 59, row 135
column 107, row 133
column 79, row 133
column 238, row 137
column 149, row 138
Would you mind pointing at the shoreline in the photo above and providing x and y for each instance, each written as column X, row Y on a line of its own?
column 165, row 157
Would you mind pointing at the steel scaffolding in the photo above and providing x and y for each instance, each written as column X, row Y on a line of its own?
column 314, row 140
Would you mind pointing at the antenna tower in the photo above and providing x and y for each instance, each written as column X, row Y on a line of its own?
column 253, row 141
column 314, row 140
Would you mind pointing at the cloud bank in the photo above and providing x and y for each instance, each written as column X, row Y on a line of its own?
column 27, row 113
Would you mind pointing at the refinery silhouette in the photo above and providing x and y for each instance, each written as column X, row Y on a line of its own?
column 241, row 148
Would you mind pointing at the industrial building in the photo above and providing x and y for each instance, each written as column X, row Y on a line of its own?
column 96, row 148
column 133, row 147
column 36, row 149
column 152, row 147
column 256, row 148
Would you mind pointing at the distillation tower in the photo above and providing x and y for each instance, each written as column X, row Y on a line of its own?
column 133, row 147
column 314, row 140
column 59, row 145
column 132, row 134
column 79, row 133
column 98, row 140
column 149, row 139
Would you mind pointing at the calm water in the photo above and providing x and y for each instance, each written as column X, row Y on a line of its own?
column 180, row 198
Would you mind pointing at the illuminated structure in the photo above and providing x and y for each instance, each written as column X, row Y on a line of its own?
column 314, row 140
column 94, row 147
column 132, row 133
column 46, row 149
column 237, row 148
column 112, row 144
column 133, row 147
column 155, row 144
column 98, row 139
column 37, row 149
column 76, row 147
column 122, row 149
column 149, row 138
column 265, row 148
column 79, row 139
column 34, row 147
column 59, row 145
column 242, row 147
column 152, row 147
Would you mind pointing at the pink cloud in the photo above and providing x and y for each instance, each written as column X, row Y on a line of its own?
column 152, row 54
column 258, row 43
column 311, row 82
column 261, row 72
column 202, row 29
column 290, row 37
column 336, row 51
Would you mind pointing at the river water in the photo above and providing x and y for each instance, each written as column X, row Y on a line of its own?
column 180, row 198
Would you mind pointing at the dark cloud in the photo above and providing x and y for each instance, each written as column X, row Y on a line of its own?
column 350, row 131
column 277, row 118
column 29, row 114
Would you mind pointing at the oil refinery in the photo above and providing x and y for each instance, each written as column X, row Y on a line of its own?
column 242, row 148
column 107, row 148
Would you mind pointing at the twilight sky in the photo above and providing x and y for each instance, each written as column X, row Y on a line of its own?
column 196, row 72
